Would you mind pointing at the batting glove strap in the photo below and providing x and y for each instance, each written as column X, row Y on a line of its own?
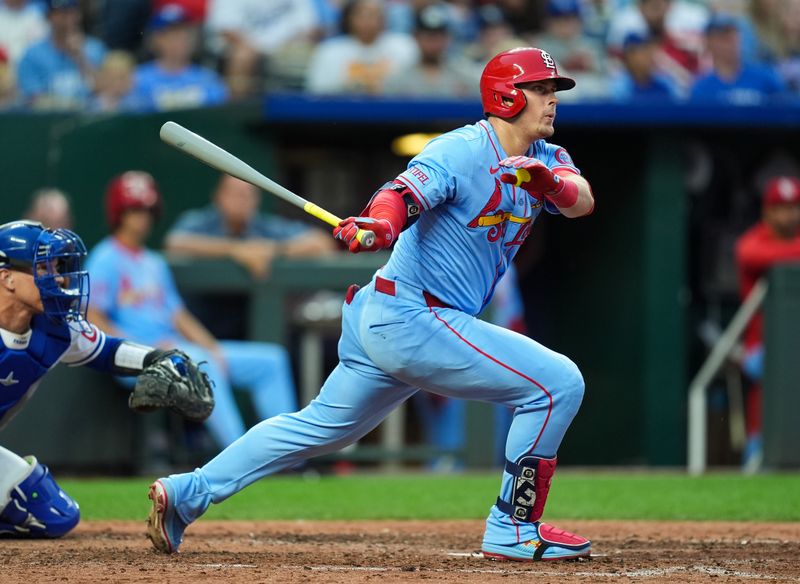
column 531, row 487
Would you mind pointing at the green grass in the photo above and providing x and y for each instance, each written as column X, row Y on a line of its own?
column 575, row 495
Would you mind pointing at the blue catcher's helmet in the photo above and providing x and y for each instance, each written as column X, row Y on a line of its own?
column 55, row 258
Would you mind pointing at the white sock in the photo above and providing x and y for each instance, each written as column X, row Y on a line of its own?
column 12, row 470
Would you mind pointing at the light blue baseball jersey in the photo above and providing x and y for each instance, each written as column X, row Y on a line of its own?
column 472, row 224
column 396, row 340
column 125, row 280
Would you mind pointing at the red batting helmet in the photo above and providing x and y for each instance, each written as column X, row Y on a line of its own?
column 507, row 70
column 134, row 189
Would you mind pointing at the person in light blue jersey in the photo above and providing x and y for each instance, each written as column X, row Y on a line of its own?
column 456, row 217
column 135, row 294
column 58, row 72
column 171, row 81
column 731, row 80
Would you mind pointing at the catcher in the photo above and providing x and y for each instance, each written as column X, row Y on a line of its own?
column 44, row 292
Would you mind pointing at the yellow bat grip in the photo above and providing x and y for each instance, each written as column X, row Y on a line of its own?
column 365, row 238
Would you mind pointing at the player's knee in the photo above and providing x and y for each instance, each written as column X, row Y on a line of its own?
column 38, row 507
column 571, row 387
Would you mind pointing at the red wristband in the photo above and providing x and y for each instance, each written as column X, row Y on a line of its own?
column 388, row 205
column 568, row 195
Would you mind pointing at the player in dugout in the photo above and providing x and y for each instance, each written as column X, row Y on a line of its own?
column 44, row 292
column 134, row 293
column 456, row 217
column 773, row 240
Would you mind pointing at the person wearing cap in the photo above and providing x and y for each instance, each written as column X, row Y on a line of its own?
column 578, row 55
column 641, row 79
column 58, row 72
column 133, row 292
column 775, row 239
column 456, row 218
column 436, row 73
column 676, row 25
column 730, row 80
column 171, row 81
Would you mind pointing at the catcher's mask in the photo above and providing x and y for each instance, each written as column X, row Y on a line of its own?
column 55, row 259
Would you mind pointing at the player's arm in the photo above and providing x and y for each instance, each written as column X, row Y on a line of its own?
column 393, row 208
column 751, row 255
column 568, row 191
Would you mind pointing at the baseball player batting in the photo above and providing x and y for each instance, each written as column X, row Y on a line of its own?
column 457, row 217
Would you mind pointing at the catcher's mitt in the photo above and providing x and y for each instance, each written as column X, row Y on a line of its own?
column 172, row 380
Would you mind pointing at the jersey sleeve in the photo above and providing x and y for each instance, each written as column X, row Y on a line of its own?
column 85, row 346
column 433, row 174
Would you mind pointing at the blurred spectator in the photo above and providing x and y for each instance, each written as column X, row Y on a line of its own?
column 133, row 293
column 114, row 85
column 788, row 64
column 767, row 16
column 596, row 18
column 641, row 80
column 676, row 25
column 58, row 72
column 22, row 23
column 526, row 17
column 361, row 60
column 8, row 87
column 462, row 24
column 232, row 227
column 436, row 73
column 773, row 240
column 121, row 23
column 245, row 33
column 495, row 36
column 751, row 47
column 580, row 57
column 51, row 208
column 195, row 9
column 730, row 80
column 171, row 81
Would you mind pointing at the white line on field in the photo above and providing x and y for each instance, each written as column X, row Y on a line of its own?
column 225, row 566
column 643, row 573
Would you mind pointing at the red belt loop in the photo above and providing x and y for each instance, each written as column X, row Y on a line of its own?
column 388, row 287
column 384, row 285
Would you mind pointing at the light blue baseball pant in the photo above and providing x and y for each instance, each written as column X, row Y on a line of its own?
column 263, row 370
column 390, row 347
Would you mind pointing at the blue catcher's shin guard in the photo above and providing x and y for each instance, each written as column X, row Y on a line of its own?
column 38, row 507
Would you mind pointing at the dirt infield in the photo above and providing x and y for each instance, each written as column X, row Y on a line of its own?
column 383, row 551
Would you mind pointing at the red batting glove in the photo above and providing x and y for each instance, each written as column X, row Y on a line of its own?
column 533, row 176
column 348, row 228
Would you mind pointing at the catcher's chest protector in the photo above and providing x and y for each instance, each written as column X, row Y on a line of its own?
column 25, row 360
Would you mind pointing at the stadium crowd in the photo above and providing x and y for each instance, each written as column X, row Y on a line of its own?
column 151, row 55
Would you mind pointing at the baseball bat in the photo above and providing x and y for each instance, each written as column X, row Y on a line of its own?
column 215, row 157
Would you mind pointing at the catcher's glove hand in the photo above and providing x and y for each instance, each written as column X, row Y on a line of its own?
column 170, row 379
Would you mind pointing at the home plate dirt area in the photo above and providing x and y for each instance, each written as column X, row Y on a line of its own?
column 395, row 551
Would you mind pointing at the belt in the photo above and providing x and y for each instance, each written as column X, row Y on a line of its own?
column 387, row 287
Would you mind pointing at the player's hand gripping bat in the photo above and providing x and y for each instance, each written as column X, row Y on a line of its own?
column 215, row 157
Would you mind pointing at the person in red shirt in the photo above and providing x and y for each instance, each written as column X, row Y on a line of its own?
column 775, row 239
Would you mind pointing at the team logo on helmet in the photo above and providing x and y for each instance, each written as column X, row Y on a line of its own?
column 548, row 60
